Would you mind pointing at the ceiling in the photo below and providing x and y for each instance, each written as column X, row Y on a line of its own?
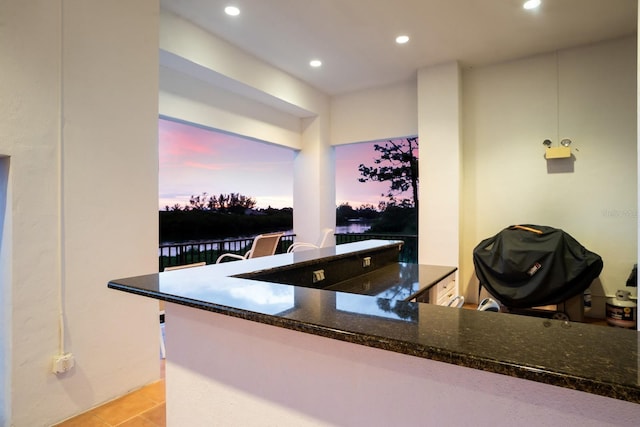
column 355, row 39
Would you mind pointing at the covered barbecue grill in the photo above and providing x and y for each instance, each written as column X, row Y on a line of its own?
column 533, row 265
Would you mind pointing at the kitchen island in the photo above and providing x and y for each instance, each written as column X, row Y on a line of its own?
column 242, row 350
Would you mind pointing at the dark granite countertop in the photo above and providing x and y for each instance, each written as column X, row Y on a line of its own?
column 596, row 359
column 397, row 281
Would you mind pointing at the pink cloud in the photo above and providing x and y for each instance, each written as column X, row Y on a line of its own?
column 207, row 166
column 179, row 140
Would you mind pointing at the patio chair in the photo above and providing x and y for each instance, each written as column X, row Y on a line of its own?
column 263, row 245
column 324, row 241
column 180, row 267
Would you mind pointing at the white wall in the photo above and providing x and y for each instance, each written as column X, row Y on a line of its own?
column 439, row 164
column 586, row 94
column 314, row 192
column 79, row 108
column 371, row 115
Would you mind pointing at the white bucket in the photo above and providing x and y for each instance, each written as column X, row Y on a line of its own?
column 621, row 311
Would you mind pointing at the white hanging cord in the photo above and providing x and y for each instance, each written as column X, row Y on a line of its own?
column 557, row 96
column 61, row 217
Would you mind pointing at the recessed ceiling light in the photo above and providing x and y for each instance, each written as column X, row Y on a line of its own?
column 232, row 11
column 315, row 63
column 402, row 39
column 531, row 4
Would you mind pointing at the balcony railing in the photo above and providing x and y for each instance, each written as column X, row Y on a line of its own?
column 208, row 251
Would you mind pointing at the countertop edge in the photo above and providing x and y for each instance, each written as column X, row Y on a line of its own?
column 531, row 373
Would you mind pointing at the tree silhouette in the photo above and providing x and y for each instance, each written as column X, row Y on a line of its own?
column 198, row 203
column 234, row 202
column 397, row 164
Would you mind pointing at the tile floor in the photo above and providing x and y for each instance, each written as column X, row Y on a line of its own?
column 141, row 408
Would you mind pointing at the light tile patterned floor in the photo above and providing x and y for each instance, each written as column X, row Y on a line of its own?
column 142, row 408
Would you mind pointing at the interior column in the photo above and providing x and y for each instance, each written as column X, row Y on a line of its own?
column 440, row 171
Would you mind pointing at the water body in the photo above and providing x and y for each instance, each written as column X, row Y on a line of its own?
column 353, row 227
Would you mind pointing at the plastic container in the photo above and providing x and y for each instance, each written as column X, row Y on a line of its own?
column 621, row 311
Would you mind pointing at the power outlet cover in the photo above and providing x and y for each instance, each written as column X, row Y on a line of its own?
column 63, row 363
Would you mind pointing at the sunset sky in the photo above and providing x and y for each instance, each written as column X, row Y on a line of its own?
column 195, row 160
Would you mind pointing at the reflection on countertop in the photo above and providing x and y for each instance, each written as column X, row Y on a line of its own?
column 595, row 359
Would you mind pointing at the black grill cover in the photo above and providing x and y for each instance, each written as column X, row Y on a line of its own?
column 534, row 265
